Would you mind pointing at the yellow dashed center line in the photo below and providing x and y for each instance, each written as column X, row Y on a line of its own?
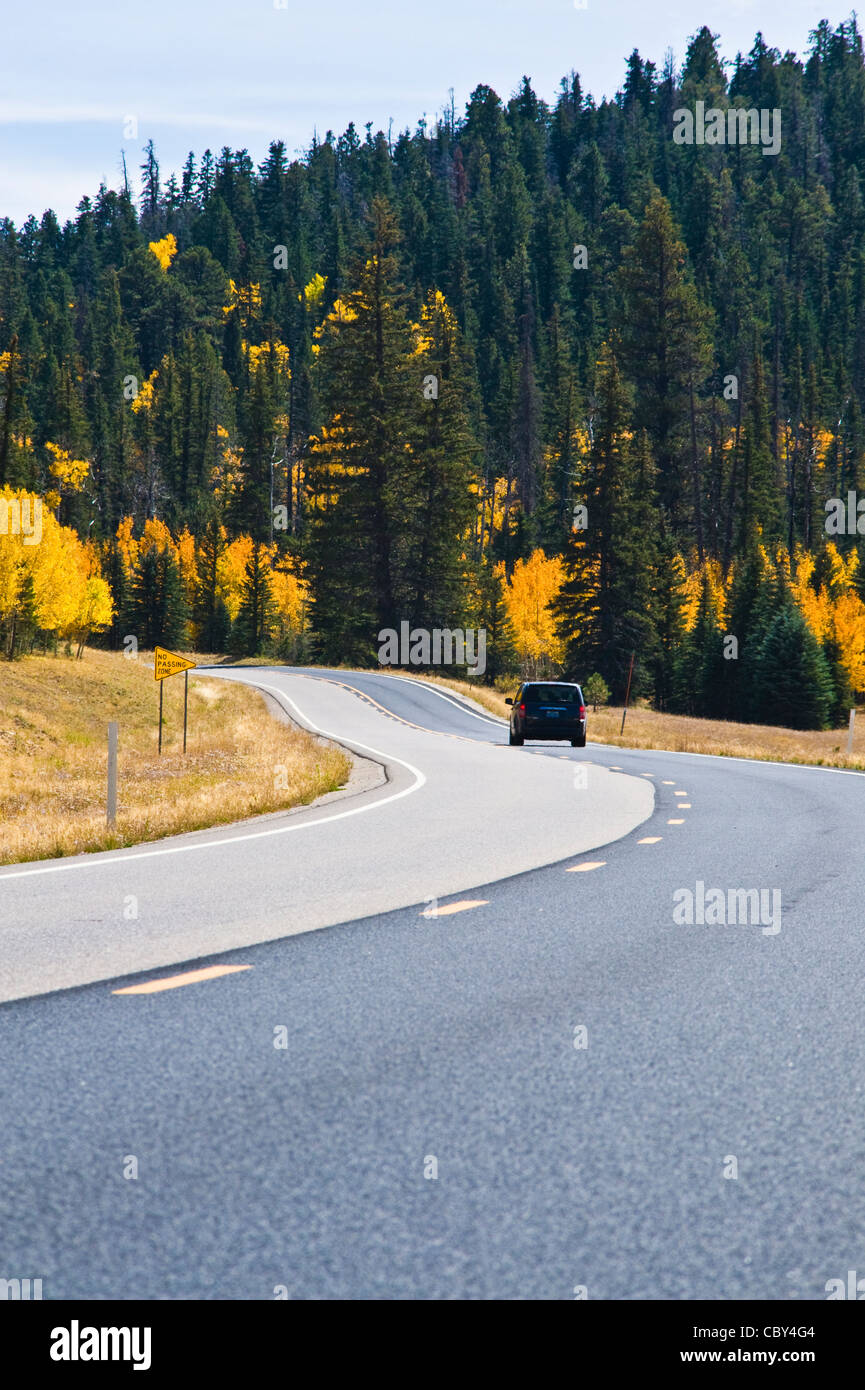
column 584, row 868
column 676, row 822
column 448, row 908
column 684, row 806
column 680, row 793
column 650, row 840
column 668, row 784
column 190, row 977
column 397, row 718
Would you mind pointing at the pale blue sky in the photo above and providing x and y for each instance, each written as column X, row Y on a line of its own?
column 198, row 73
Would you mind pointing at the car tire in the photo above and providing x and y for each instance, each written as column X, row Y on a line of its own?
column 515, row 740
column 578, row 742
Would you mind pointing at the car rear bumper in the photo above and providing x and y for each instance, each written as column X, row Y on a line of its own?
column 553, row 728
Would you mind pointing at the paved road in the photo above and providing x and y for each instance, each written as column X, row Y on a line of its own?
column 451, row 1038
column 456, row 809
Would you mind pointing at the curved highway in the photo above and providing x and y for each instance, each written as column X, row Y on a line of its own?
column 450, row 807
column 589, row 1021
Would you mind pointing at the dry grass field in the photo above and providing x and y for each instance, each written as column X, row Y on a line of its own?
column 54, row 714
column 646, row 728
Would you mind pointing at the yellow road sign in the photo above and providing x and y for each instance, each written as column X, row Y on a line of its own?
column 169, row 663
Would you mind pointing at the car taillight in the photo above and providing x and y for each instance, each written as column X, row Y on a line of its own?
column 582, row 711
column 522, row 709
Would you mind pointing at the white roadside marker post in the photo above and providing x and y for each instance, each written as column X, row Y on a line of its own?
column 850, row 734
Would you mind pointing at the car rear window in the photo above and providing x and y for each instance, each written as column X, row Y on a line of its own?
column 553, row 695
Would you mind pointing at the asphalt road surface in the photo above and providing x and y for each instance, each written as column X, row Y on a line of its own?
column 434, row 1069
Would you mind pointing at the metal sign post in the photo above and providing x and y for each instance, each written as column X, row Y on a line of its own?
column 165, row 664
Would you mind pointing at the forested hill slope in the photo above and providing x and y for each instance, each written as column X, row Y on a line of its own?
column 285, row 407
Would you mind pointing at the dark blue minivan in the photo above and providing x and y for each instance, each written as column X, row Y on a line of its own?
column 548, row 710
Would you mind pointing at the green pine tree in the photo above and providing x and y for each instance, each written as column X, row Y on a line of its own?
column 666, row 352
column 604, row 609
column 667, row 582
column 793, row 686
column 361, row 470
column 700, row 670
column 842, row 693
column 210, row 618
column 250, row 633
column 438, row 505
column 156, row 613
column 491, row 615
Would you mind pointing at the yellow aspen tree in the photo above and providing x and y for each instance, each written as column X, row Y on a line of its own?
column 848, row 623
column 813, row 604
column 59, row 577
column 290, row 596
column 533, row 587
column 95, row 611
column 127, row 545
column 231, row 573
column 185, row 551
column 11, row 557
column 164, row 250
column 156, row 536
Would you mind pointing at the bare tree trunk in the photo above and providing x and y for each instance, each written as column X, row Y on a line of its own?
column 731, row 492
column 695, row 474
column 7, row 411
column 809, row 459
column 791, row 493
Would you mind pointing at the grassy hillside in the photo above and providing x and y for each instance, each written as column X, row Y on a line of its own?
column 54, row 714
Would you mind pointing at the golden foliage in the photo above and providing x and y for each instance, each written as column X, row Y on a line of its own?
column 533, row 586
column 186, row 563
column 848, row 626
column 70, row 473
column 227, row 471
column 144, row 399
column 835, row 611
column 813, row 605
column 435, row 311
column 231, row 573
column 269, row 354
column 339, row 314
column 313, row 293
column 56, row 571
column 164, row 250
column 693, row 588
column 290, row 596
column 156, row 536
column 494, row 505
column 247, row 298
column 127, row 545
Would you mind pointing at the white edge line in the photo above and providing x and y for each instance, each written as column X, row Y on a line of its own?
column 107, row 858
column 725, row 758
column 450, row 697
